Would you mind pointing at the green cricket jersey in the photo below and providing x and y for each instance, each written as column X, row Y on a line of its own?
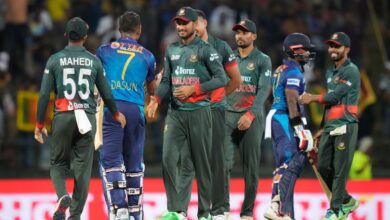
column 73, row 72
column 228, row 60
column 342, row 97
column 255, row 72
column 194, row 64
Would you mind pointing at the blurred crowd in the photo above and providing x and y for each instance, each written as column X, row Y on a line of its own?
column 32, row 30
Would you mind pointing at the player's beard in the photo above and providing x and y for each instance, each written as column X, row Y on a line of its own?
column 242, row 44
column 336, row 56
column 188, row 35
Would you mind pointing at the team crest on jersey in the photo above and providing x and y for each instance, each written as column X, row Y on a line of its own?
column 250, row 66
column 115, row 45
column 336, row 79
column 341, row 146
column 193, row 58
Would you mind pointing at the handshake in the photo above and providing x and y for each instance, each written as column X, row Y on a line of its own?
column 306, row 142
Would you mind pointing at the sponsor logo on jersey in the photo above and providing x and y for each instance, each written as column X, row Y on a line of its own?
column 213, row 56
column 246, row 78
column 183, row 71
column 293, row 82
column 250, row 66
column 193, row 58
column 175, row 57
column 115, row 45
column 231, row 57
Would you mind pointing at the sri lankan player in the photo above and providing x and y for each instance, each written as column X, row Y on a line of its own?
column 128, row 66
column 285, row 124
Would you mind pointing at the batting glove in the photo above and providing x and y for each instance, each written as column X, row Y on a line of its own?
column 305, row 138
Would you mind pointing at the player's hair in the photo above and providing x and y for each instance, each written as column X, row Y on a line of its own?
column 129, row 22
column 201, row 14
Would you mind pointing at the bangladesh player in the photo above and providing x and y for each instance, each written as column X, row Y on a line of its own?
column 192, row 69
column 128, row 66
column 245, row 114
column 285, row 124
column 72, row 73
column 218, row 107
column 340, row 126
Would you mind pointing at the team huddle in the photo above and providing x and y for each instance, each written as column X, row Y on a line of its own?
column 216, row 99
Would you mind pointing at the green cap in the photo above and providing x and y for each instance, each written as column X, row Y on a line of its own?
column 339, row 38
column 186, row 14
column 76, row 28
column 245, row 25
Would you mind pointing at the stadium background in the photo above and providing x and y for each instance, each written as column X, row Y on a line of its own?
column 32, row 30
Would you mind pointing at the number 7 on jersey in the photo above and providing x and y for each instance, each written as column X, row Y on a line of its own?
column 131, row 56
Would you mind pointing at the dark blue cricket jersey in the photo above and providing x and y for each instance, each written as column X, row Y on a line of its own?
column 127, row 65
column 288, row 75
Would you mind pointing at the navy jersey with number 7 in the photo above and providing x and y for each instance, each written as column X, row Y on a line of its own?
column 127, row 65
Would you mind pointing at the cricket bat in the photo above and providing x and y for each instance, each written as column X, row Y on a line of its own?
column 99, row 126
column 324, row 187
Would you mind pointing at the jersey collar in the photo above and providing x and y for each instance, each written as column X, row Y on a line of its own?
column 127, row 40
column 194, row 41
column 346, row 63
column 251, row 54
column 291, row 63
column 75, row 48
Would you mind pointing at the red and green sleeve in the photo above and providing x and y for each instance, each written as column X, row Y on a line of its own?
column 347, row 80
column 213, row 63
column 263, row 86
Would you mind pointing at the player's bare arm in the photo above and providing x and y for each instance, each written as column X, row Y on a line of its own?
column 307, row 98
column 292, row 102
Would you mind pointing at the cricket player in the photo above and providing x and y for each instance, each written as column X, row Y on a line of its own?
column 192, row 69
column 285, row 121
column 72, row 73
column 338, row 136
column 218, row 108
column 127, row 65
column 245, row 117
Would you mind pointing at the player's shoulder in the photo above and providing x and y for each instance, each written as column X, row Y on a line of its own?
column 90, row 55
column 260, row 54
column 217, row 42
column 148, row 53
column 290, row 70
column 350, row 66
column 281, row 68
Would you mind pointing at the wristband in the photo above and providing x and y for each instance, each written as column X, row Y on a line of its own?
column 296, row 121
